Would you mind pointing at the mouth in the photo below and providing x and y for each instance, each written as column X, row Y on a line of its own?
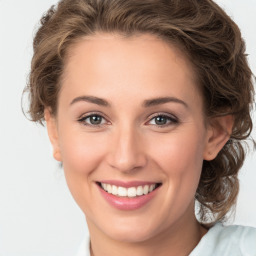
column 128, row 191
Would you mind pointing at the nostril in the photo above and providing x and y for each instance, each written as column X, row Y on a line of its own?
column 128, row 163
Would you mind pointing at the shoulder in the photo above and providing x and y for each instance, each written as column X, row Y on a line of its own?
column 232, row 240
column 235, row 233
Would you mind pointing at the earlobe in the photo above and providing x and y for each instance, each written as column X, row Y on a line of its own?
column 219, row 131
column 52, row 133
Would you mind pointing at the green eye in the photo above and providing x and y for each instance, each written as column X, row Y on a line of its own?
column 93, row 120
column 163, row 120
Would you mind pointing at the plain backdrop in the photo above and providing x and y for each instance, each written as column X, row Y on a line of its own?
column 38, row 216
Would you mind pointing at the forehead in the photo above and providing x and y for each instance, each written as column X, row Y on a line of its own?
column 143, row 49
column 141, row 64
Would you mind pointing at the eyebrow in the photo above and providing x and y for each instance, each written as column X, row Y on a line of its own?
column 146, row 103
column 91, row 99
column 163, row 100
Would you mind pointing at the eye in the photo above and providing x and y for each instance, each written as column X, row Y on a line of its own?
column 163, row 120
column 93, row 120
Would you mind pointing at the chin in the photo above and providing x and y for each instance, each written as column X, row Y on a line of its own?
column 135, row 232
column 130, row 236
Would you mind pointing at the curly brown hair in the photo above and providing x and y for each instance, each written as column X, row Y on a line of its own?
column 207, row 36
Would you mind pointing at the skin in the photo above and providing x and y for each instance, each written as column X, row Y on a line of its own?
column 130, row 145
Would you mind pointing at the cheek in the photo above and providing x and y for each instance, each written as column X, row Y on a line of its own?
column 180, row 157
column 179, row 149
column 81, row 152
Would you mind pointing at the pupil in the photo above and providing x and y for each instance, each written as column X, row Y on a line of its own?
column 160, row 120
column 95, row 119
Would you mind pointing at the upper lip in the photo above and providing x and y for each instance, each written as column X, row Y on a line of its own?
column 128, row 184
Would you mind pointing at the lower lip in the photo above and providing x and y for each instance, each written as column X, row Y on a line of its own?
column 128, row 203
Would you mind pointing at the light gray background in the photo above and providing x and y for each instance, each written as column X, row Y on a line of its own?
column 37, row 214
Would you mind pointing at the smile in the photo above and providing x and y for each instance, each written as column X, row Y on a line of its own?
column 130, row 191
column 128, row 196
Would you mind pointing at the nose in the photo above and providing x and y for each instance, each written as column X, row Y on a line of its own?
column 127, row 152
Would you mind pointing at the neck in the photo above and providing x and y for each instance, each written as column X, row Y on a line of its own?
column 178, row 240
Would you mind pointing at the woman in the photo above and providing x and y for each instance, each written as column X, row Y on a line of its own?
column 146, row 105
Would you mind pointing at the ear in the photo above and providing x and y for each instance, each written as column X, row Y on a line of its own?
column 219, row 131
column 52, row 130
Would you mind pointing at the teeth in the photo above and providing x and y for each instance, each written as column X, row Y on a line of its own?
column 130, row 192
column 145, row 189
column 139, row 191
column 104, row 186
column 109, row 189
column 121, row 191
column 152, row 187
column 114, row 190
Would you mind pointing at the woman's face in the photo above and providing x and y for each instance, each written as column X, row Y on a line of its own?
column 130, row 119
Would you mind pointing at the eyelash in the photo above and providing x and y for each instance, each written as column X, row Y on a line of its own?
column 83, row 120
column 171, row 120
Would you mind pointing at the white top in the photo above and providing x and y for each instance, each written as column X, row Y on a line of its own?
column 218, row 241
column 227, row 241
